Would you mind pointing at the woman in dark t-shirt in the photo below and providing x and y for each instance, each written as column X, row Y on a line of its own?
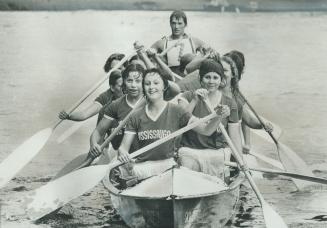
column 114, row 92
column 157, row 119
column 233, row 63
column 207, row 153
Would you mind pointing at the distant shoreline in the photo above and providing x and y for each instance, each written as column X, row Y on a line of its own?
column 167, row 5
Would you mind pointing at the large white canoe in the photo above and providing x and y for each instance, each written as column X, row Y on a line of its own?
column 177, row 198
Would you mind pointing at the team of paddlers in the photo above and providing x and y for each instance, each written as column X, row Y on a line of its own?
column 167, row 92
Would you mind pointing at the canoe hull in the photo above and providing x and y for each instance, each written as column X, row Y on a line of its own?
column 207, row 211
column 210, row 211
column 143, row 212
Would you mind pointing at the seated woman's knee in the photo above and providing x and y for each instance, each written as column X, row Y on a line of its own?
column 190, row 163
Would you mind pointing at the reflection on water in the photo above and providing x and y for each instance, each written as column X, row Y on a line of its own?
column 249, row 211
column 49, row 59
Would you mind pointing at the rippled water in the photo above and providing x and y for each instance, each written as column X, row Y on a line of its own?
column 49, row 59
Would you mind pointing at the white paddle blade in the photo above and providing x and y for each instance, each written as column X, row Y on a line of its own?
column 22, row 155
column 70, row 131
column 268, row 160
column 277, row 131
column 293, row 163
column 57, row 193
column 252, row 162
column 272, row 219
column 75, row 127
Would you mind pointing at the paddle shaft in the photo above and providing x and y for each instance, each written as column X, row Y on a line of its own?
column 290, row 160
column 122, row 123
column 268, row 160
column 237, row 156
column 288, row 174
column 271, row 217
column 95, row 87
column 242, row 164
column 258, row 117
column 171, row 47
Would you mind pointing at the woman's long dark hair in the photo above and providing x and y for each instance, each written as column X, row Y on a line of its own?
column 114, row 76
column 156, row 71
column 237, row 62
column 131, row 68
column 115, row 56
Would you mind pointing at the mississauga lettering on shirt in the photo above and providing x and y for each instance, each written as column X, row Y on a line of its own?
column 153, row 134
column 120, row 132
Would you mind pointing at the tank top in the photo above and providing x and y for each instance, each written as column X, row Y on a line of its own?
column 174, row 55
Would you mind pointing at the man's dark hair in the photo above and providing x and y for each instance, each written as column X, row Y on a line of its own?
column 178, row 14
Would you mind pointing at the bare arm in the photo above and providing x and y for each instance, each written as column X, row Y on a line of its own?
column 172, row 91
column 98, row 136
column 88, row 112
column 158, row 45
column 234, row 132
column 188, row 106
column 198, row 43
column 195, row 64
column 252, row 121
column 249, row 118
column 144, row 57
column 211, row 126
column 125, row 146
column 234, row 129
column 208, row 128
column 99, row 132
column 247, row 139
column 208, row 52
column 167, row 71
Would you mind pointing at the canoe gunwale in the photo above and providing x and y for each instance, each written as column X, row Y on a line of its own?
column 237, row 182
column 113, row 190
column 172, row 197
column 110, row 186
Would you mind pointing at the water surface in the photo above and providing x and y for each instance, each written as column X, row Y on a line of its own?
column 48, row 60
